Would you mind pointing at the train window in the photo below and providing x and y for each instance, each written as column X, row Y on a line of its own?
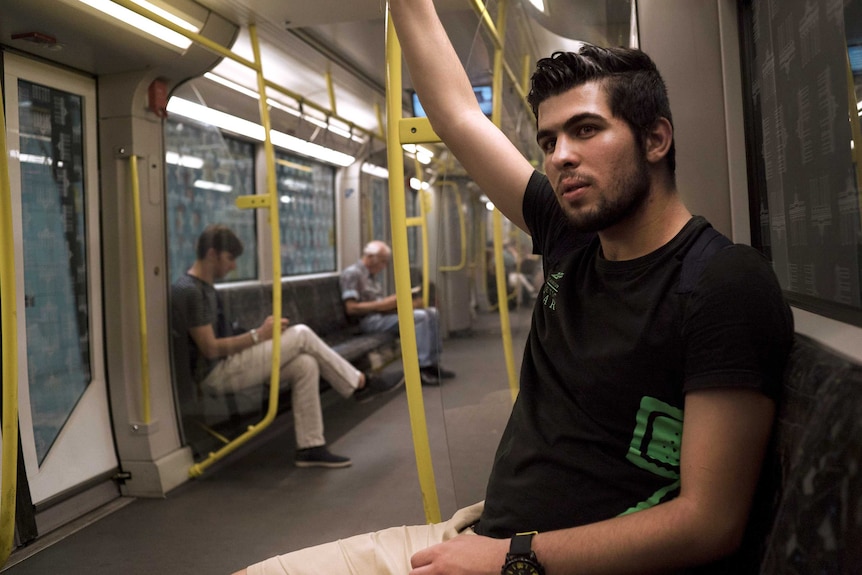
column 307, row 214
column 205, row 171
column 375, row 211
column 414, row 237
column 56, row 270
column 803, row 153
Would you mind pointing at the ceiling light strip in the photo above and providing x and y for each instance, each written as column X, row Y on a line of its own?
column 131, row 17
column 236, row 125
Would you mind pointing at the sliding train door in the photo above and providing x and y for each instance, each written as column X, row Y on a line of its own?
column 66, row 439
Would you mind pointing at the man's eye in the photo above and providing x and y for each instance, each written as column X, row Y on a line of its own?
column 547, row 146
column 586, row 131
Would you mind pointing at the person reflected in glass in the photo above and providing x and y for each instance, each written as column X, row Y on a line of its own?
column 225, row 362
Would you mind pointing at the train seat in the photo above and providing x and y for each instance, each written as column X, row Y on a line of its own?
column 818, row 440
column 315, row 302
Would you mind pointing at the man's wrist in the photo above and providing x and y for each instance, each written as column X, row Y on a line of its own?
column 521, row 559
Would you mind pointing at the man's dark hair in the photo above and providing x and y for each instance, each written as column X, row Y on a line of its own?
column 221, row 238
column 636, row 91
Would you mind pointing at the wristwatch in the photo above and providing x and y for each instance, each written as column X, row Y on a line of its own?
column 254, row 337
column 521, row 559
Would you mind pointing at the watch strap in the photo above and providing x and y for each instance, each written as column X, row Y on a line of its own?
column 521, row 543
column 521, row 558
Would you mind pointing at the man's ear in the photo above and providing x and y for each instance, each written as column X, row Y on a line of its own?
column 658, row 141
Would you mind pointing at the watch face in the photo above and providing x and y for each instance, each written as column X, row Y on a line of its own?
column 521, row 567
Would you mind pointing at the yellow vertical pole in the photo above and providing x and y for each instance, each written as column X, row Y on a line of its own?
column 422, row 222
column 502, row 292
column 462, row 227
column 270, row 200
column 275, row 231
column 526, row 65
column 380, row 127
column 398, row 210
column 8, row 329
column 142, row 295
column 482, row 245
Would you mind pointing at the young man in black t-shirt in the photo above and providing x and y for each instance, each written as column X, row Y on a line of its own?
column 646, row 405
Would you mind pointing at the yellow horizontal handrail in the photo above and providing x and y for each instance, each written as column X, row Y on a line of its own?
column 198, row 39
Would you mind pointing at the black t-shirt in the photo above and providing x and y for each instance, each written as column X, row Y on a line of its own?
column 194, row 303
column 596, row 429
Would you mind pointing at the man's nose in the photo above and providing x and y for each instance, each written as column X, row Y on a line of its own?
column 566, row 152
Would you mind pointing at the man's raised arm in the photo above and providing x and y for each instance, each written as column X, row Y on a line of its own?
column 439, row 79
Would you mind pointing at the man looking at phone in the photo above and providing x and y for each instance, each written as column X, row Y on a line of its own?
column 225, row 363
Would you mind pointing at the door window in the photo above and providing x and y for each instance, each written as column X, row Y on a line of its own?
column 55, row 257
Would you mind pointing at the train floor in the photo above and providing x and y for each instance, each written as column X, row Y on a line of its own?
column 255, row 504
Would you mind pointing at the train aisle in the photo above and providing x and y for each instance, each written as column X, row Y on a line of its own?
column 255, row 503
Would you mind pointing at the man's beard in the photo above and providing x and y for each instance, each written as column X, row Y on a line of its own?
column 633, row 189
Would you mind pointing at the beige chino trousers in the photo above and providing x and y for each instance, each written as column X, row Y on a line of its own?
column 385, row 552
column 305, row 358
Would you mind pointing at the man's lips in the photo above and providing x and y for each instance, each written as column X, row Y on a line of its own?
column 572, row 188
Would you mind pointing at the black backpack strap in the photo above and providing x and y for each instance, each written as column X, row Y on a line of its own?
column 705, row 246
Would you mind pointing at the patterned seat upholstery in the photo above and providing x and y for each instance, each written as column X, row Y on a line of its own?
column 315, row 302
column 817, row 527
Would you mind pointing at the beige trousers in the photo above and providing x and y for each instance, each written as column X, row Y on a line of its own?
column 305, row 358
column 385, row 552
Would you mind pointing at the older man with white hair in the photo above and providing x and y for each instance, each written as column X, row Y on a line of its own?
column 363, row 298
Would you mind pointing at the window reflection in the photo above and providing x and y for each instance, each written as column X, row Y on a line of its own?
column 803, row 89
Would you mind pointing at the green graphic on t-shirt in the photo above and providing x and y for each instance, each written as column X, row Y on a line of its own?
column 657, row 438
column 552, row 286
column 656, row 445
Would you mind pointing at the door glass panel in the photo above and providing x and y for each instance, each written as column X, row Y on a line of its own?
column 55, row 262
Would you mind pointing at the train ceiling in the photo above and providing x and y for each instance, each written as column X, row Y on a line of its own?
column 300, row 39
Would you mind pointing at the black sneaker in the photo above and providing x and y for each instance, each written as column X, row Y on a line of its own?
column 429, row 379
column 378, row 384
column 438, row 371
column 444, row 373
column 319, row 457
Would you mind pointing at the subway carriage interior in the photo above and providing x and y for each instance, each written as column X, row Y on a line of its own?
column 124, row 140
